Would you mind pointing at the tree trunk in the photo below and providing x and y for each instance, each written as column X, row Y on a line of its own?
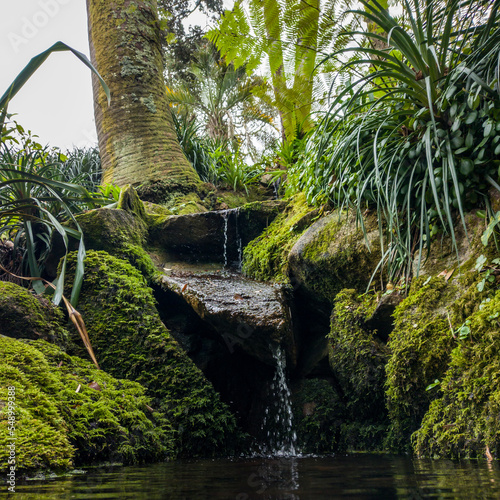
column 137, row 139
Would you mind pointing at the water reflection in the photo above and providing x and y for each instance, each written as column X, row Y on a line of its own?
column 295, row 478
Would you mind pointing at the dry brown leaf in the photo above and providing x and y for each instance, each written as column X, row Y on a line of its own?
column 95, row 385
column 183, row 288
column 74, row 315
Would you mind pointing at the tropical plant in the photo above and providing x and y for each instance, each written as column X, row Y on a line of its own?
column 221, row 100
column 214, row 159
column 417, row 135
column 81, row 166
column 285, row 37
column 32, row 203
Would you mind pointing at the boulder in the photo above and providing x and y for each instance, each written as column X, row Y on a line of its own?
column 217, row 236
column 70, row 413
column 253, row 315
column 332, row 254
column 265, row 257
column 26, row 315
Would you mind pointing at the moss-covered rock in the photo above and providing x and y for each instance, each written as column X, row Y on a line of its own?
column 266, row 257
column 357, row 359
column 29, row 316
column 68, row 412
column 333, row 254
column 318, row 414
column 120, row 233
column 420, row 346
column 130, row 341
column 464, row 421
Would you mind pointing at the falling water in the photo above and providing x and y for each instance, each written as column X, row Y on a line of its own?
column 225, row 215
column 239, row 241
column 278, row 419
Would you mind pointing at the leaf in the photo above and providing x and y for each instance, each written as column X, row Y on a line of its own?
column 95, row 385
column 37, row 61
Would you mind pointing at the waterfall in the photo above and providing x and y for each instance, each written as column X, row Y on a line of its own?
column 225, row 215
column 278, row 418
column 239, row 241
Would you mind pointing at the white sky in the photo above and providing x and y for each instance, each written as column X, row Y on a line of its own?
column 56, row 103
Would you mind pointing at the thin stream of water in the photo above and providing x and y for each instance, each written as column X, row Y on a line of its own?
column 278, row 418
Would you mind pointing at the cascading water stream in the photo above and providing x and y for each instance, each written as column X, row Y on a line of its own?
column 239, row 241
column 278, row 418
column 225, row 215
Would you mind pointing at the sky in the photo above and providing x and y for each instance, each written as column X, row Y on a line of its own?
column 56, row 103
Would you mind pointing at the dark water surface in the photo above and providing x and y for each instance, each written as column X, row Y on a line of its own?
column 343, row 476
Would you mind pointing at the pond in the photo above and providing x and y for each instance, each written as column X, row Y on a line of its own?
column 292, row 478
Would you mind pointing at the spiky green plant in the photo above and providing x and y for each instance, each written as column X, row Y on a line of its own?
column 417, row 135
column 33, row 203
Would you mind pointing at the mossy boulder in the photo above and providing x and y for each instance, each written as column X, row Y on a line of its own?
column 357, row 359
column 130, row 341
column 334, row 254
column 444, row 256
column 464, row 419
column 26, row 315
column 120, row 233
column 68, row 413
column 266, row 257
column 420, row 344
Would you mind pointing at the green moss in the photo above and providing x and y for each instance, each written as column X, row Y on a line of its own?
column 318, row 414
column 25, row 315
column 119, row 232
column 188, row 204
column 131, row 342
column 61, row 420
column 333, row 254
column 265, row 258
column 420, row 346
column 357, row 359
column 464, row 421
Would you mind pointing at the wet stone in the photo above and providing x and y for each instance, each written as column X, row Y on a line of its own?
column 247, row 314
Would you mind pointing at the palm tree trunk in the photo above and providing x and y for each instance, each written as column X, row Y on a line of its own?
column 137, row 139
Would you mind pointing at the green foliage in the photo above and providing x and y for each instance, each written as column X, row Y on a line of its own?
column 285, row 38
column 69, row 412
column 214, row 159
column 82, row 166
column 265, row 258
column 120, row 314
column 222, row 101
column 416, row 135
column 30, row 201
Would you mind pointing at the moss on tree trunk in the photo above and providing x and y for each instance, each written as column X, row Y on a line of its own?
column 137, row 140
